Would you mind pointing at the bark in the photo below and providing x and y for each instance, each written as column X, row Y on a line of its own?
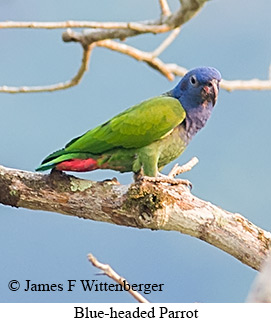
column 155, row 206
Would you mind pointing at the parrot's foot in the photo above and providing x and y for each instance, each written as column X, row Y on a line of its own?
column 167, row 180
column 170, row 178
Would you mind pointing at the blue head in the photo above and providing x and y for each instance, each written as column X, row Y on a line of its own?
column 197, row 91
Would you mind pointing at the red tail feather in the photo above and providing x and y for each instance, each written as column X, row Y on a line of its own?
column 78, row 165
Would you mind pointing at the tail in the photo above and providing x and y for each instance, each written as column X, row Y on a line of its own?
column 69, row 161
column 51, row 160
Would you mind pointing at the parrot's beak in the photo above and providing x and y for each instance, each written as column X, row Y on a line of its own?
column 210, row 91
column 215, row 90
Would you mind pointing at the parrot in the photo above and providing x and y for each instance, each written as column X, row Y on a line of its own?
column 145, row 137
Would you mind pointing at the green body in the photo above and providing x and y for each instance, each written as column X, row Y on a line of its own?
column 150, row 158
column 145, row 137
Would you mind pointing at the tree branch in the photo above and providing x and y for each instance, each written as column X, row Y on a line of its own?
column 104, row 32
column 165, row 11
column 188, row 9
column 116, row 277
column 253, row 84
column 141, row 205
column 166, row 42
column 139, row 55
column 55, row 87
column 177, row 170
column 111, row 30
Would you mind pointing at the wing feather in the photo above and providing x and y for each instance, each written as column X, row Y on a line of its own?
column 136, row 127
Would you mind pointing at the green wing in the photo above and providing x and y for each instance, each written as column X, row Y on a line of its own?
column 136, row 127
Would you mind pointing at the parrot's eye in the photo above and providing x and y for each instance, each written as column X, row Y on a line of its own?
column 193, row 80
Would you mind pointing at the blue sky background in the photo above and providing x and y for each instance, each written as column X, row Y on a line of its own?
column 234, row 148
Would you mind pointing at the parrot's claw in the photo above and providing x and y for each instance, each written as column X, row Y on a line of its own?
column 170, row 178
column 167, row 180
